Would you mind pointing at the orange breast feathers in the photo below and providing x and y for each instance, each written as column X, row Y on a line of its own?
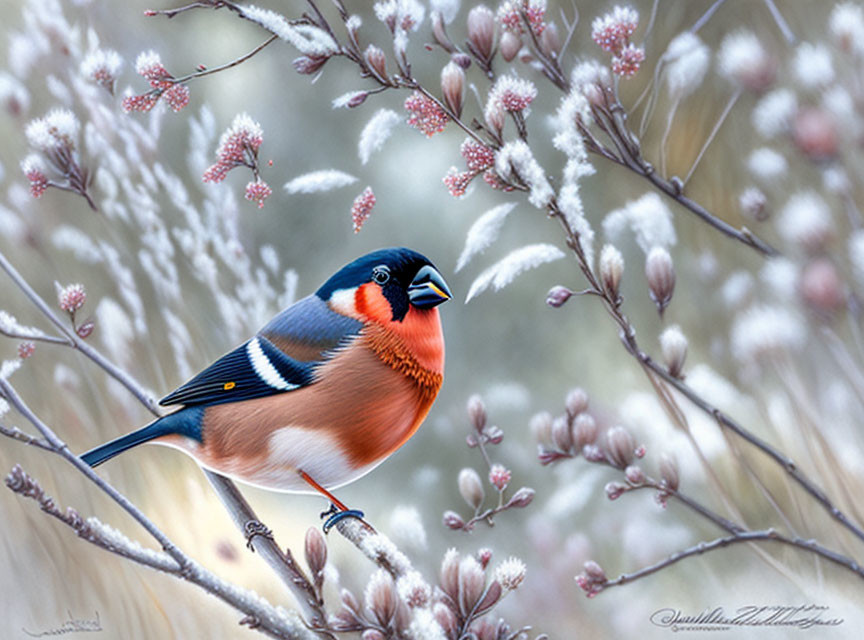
column 419, row 332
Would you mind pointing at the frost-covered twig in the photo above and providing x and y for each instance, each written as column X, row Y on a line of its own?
column 260, row 614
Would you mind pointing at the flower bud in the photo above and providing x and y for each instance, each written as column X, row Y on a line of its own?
column 510, row 45
column 522, row 498
column 541, row 427
column 495, row 117
column 593, row 453
column 377, row 61
column 472, row 583
column 614, row 490
column 85, row 329
column 669, row 471
column 753, row 204
column 445, row 617
column 316, row 551
column 380, row 596
column 634, row 475
column 453, row 520
column 821, row 287
column 449, row 578
column 557, row 296
column 561, row 435
column 584, row 430
column 661, row 277
column 358, row 99
column 349, row 601
column 611, row 270
column 372, row 634
column 673, row 345
column 510, row 573
column 470, row 487
column 439, row 32
column 619, row 447
column 550, row 42
column 576, row 402
column 484, row 556
column 307, row 65
column 481, row 31
column 453, row 87
column 499, row 477
column 462, row 59
column 494, row 434
column 477, row 412
column 594, row 571
column 815, row 133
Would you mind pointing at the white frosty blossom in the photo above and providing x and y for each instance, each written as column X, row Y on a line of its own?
column 741, row 57
column 813, row 65
column 447, row 8
column 307, row 39
column 686, row 60
column 424, row 626
column 506, row 270
column 59, row 128
column 767, row 164
column 774, row 112
column 405, row 15
column 406, row 527
column 483, row 233
column 317, row 181
column 9, row 367
column 846, row 25
column 414, row 590
column 101, row 63
column 648, row 217
column 345, row 99
column 376, row 132
column 763, row 330
column 516, row 156
column 805, row 220
column 510, row 573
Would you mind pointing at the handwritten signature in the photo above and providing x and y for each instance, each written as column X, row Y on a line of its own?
column 806, row 616
column 71, row 625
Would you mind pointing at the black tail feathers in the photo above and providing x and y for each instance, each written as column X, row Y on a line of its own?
column 186, row 422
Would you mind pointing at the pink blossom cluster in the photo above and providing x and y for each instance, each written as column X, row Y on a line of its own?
column 612, row 33
column 426, row 114
column 238, row 146
column 163, row 85
column 72, row 297
column 258, row 191
column 510, row 18
column 26, row 349
column 362, row 208
column 478, row 158
column 499, row 476
column 34, row 171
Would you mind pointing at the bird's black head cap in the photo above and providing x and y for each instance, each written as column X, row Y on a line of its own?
column 394, row 268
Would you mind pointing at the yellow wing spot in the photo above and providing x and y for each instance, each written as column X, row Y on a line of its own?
column 228, row 386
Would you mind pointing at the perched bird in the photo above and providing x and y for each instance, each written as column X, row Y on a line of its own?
column 325, row 392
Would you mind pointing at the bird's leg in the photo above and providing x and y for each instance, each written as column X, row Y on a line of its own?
column 254, row 528
column 337, row 511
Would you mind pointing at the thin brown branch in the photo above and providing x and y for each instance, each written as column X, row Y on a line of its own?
column 767, row 535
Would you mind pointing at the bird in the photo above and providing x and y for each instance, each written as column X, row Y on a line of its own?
column 324, row 392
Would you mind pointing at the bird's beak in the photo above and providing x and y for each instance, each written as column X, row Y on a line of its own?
column 428, row 289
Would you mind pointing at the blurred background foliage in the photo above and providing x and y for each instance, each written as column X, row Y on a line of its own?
column 519, row 354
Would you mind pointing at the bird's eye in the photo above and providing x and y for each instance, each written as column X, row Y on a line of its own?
column 381, row 274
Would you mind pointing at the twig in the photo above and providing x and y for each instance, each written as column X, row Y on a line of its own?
column 713, row 133
column 781, row 22
column 16, row 434
column 273, row 621
column 767, row 535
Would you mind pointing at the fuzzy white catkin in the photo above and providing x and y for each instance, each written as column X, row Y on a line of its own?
column 774, row 112
column 307, row 39
column 318, row 181
column 846, row 25
column 805, row 220
column 767, row 164
column 447, row 8
column 376, row 132
column 648, row 218
column 762, row 330
column 687, row 60
column 517, row 156
column 505, row 271
column 484, row 232
column 406, row 526
column 813, row 65
column 740, row 53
